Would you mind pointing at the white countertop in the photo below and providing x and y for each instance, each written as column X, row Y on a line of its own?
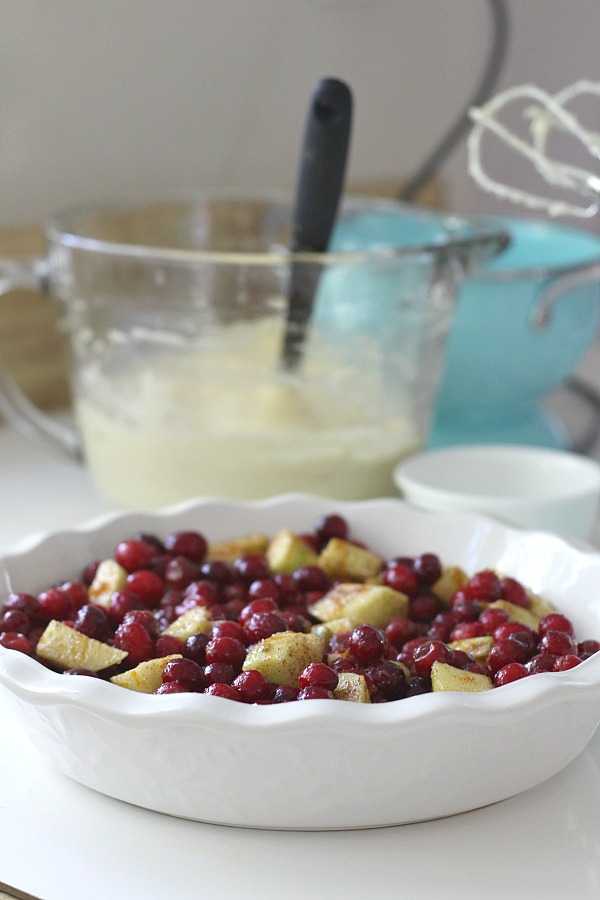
column 61, row 841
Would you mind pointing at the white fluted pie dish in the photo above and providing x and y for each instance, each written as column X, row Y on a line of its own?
column 318, row 764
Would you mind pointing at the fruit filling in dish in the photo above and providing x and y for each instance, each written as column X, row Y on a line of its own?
column 295, row 616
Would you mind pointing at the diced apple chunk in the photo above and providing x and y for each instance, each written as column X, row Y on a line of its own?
column 452, row 579
column 284, row 655
column 66, row 648
column 231, row 550
column 109, row 578
column 516, row 613
column 146, row 678
column 287, row 552
column 353, row 687
column 196, row 620
column 477, row 647
column 448, row 678
column 360, row 604
column 539, row 607
column 345, row 561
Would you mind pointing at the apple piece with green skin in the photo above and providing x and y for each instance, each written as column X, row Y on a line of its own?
column 445, row 677
column 282, row 657
column 345, row 561
column 288, row 552
column 110, row 577
column 360, row 604
column 146, row 677
column 517, row 613
column 65, row 648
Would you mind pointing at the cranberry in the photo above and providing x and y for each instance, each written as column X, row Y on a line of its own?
column 518, row 631
column 92, row 621
column 484, row 585
column 120, row 603
column 388, row 678
column 203, row 592
column 152, row 539
column 428, row 568
column 262, row 625
column 180, row 572
column 338, row 642
column 315, row 692
column 285, row 693
column 12, row 640
column 134, row 554
column 585, row 649
column 311, row 541
column 166, row 644
column 264, row 587
column 401, row 578
column 541, row 662
column 555, row 622
column 15, row 620
column 568, row 661
column 147, row 585
column 507, row 651
column 195, row 648
column 464, row 631
column 310, row 578
column 186, row 672
column 431, row 651
column 510, row 672
column 256, row 606
column 557, row 643
column 295, row 620
column 400, row 630
column 423, row 608
column 418, row 684
column 219, row 673
column 252, row 687
column 331, row 526
column 319, row 674
column 159, row 564
column 217, row 570
column 89, row 572
column 235, row 593
column 172, row 687
column 367, row 644
column 288, row 589
column 491, row 618
column 190, row 544
column 56, row 604
column 135, row 640
column 514, row 592
column 226, row 650
column 227, row 628
column 144, row 617
column 251, row 567
column 441, row 627
column 222, row 689
column 465, row 610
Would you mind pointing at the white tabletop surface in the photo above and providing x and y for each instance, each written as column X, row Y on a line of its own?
column 61, row 841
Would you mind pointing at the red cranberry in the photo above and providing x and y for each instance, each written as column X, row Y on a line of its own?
column 331, row 526
column 56, row 604
column 428, row 568
column 423, row 608
column 514, row 592
column 417, row 685
column 507, row 651
column 89, row 572
column 256, row 606
column 541, row 662
column 262, row 625
column 190, row 544
column 510, row 672
column 145, row 618
column 264, row 587
column 235, row 593
column 26, row 603
column 203, row 592
column 195, row 648
column 367, row 644
column 147, row 585
column 252, row 687
column 135, row 640
column 217, row 570
column 315, row 692
column 251, row 567
column 285, row 693
column 219, row 673
column 484, row 585
column 465, row 610
column 491, row 618
column 311, row 541
column 388, row 678
column 288, row 589
column 319, row 674
column 120, row 603
column 15, row 620
column 585, row 649
column 295, row 620
column 568, row 661
column 227, row 628
column 186, row 672
column 401, row 578
column 441, row 627
column 180, row 572
column 431, row 651
column 166, row 644
column 152, row 539
column 91, row 621
column 134, row 554
column 518, row 631
column 464, row 631
column 77, row 591
column 557, row 643
column 226, row 650
column 222, row 689
column 555, row 622
column 172, row 687
column 311, row 578
column 12, row 640
column 400, row 630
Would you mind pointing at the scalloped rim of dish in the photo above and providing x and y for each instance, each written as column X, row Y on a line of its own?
column 35, row 684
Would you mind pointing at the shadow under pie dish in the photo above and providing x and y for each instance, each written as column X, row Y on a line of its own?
column 321, row 764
